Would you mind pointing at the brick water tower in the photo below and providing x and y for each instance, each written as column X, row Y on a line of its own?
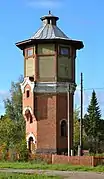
column 48, row 87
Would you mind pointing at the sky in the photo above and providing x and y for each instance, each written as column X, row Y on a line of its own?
column 81, row 20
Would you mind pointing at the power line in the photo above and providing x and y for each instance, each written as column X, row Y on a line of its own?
column 89, row 89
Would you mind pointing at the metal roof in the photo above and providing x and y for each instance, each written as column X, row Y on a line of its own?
column 49, row 30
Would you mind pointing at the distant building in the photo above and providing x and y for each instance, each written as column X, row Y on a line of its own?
column 49, row 72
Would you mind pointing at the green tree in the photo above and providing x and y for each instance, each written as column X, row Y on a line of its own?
column 76, row 128
column 12, row 124
column 92, row 122
column 77, row 131
column 6, row 132
column 13, row 105
column 10, row 133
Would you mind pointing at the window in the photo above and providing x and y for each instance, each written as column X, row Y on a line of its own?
column 27, row 93
column 64, row 51
column 63, row 128
column 31, row 119
column 29, row 52
column 29, row 116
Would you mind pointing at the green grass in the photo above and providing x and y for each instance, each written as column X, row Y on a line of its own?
column 25, row 176
column 31, row 165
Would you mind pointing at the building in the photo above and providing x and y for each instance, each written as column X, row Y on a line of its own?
column 48, row 87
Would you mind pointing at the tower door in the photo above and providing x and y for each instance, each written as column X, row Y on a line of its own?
column 30, row 144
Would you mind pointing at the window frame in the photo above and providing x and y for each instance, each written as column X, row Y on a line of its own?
column 27, row 93
column 64, row 47
column 63, row 128
column 27, row 50
column 31, row 119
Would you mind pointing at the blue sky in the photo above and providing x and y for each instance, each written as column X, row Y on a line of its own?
column 82, row 20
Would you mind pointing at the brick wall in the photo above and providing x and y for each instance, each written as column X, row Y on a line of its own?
column 43, row 157
column 92, row 161
column 98, row 160
column 74, row 160
column 46, row 123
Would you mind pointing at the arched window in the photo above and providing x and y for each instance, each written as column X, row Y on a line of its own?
column 63, row 128
column 28, row 116
column 27, row 93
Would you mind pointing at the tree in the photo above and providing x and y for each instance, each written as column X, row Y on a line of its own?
column 12, row 124
column 6, row 131
column 13, row 105
column 77, row 131
column 92, row 122
column 12, row 139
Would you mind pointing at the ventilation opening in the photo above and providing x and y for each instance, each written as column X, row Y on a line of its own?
column 48, row 21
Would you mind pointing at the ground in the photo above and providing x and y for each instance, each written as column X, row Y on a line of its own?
column 63, row 174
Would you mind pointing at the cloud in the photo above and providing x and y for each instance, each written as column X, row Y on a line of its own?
column 44, row 3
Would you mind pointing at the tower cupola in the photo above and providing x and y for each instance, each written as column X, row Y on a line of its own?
column 49, row 19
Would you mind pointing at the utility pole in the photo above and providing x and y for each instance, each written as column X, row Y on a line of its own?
column 68, row 109
column 81, row 119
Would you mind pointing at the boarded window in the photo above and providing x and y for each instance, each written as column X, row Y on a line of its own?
column 30, row 65
column 65, row 67
column 46, row 49
column 46, row 67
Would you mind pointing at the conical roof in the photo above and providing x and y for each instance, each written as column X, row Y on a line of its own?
column 49, row 29
column 49, row 32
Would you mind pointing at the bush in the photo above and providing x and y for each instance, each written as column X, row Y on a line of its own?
column 23, row 151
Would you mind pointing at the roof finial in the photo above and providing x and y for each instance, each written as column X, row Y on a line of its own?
column 49, row 12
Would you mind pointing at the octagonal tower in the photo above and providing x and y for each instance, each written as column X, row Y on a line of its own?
column 49, row 73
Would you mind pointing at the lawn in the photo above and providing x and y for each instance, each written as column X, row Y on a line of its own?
column 32, row 165
column 25, row 176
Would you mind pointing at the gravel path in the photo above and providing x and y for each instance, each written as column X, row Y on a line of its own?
column 64, row 174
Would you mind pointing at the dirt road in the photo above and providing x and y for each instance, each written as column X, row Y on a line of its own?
column 64, row 174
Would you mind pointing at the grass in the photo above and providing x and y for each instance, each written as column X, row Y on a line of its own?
column 25, row 176
column 31, row 165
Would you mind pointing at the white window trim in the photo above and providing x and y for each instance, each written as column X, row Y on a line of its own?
column 27, row 82
column 29, row 108
column 27, row 139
